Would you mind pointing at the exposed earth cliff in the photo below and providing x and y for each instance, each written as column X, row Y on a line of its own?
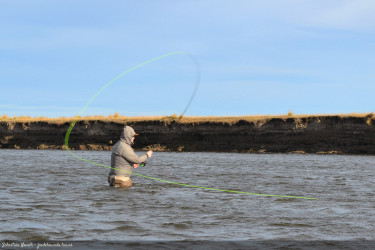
column 314, row 134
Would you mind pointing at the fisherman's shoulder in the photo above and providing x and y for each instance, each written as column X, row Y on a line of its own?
column 119, row 145
column 123, row 145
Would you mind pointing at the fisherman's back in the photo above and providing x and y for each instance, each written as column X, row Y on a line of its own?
column 120, row 166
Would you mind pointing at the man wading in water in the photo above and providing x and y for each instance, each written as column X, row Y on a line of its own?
column 123, row 159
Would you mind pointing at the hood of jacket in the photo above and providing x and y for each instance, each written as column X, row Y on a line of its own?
column 127, row 135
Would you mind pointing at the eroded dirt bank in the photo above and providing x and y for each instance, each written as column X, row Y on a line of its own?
column 318, row 134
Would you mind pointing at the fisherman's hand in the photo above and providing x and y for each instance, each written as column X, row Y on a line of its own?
column 136, row 165
column 149, row 153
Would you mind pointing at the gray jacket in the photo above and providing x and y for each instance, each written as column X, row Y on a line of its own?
column 123, row 156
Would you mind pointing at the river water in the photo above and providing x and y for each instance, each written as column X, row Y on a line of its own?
column 50, row 195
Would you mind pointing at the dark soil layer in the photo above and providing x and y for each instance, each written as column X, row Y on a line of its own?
column 316, row 134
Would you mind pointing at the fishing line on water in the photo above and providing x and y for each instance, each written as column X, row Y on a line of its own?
column 197, row 81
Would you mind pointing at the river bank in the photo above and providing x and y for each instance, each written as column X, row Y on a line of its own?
column 342, row 134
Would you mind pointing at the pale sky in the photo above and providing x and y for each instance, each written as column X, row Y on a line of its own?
column 255, row 57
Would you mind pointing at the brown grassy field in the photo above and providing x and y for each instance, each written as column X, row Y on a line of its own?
column 182, row 119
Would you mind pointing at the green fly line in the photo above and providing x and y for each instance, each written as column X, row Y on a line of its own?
column 67, row 135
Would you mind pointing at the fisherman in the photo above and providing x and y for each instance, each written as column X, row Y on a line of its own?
column 123, row 159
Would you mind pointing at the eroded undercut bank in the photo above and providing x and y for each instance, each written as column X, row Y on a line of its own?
column 303, row 134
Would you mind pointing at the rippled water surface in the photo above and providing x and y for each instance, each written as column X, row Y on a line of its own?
column 50, row 195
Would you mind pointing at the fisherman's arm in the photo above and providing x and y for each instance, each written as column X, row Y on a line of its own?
column 135, row 158
column 130, row 156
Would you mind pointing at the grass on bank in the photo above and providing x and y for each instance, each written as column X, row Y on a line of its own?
column 370, row 117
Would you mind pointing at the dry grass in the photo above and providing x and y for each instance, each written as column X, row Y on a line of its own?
column 182, row 119
column 262, row 118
